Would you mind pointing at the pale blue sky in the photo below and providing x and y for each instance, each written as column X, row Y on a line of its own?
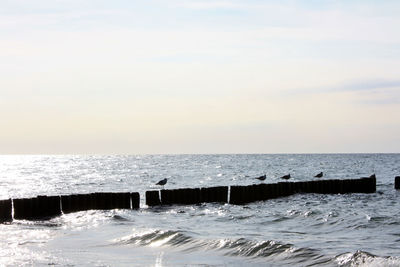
column 199, row 76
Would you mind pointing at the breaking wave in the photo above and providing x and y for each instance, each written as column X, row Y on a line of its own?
column 274, row 252
column 241, row 247
column 362, row 258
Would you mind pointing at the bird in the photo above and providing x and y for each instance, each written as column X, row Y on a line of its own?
column 262, row 177
column 286, row 177
column 319, row 175
column 373, row 176
column 162, row 182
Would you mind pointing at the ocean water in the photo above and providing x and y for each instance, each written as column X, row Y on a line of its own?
column 299, row 230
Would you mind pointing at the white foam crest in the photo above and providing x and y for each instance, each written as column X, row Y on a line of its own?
column 163, row 241
column 136, row 235
column 365, row 259
column 148, row 237
column 84, row 220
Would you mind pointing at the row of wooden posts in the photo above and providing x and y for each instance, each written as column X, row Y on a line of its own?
column 50, row 206
column 258, row 192
column 42, row 207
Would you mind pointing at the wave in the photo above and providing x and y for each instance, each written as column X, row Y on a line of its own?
column 268, row 250
column 156, row 238
column 366, row 259
column 119, row 218
column 241, row 247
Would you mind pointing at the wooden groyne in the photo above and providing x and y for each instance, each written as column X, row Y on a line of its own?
column 257, row 192
column 37, row 207
column 5, row 210
column 43, row 207
column 100, row 201
column 187, row 196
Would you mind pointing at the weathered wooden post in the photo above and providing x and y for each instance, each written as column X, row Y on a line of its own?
column 121, row 200
column 135, row 200
column 48, row 206
column 23, row 208
column 153, row 198
column 181, row 196
column 397, row 182
column 5, row 211
column 236, row 196
column 214, row 194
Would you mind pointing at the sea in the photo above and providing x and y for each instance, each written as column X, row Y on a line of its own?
column 298, row 230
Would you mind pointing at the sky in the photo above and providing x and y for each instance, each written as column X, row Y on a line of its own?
column 199, row 76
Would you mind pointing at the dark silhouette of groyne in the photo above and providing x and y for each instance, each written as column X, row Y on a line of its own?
column 44, row 207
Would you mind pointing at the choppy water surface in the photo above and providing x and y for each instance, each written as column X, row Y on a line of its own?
column 300, row 230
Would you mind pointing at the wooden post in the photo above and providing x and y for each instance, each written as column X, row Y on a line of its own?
column 47, row 206
column 236, row 196
column 5, row 211
column 397, row 182
column 153, row 198
column 23, row 208
column 214, row 194
column 135, row 199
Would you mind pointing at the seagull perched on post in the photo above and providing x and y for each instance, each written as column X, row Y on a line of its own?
column 162, row 182
column 319, row 175
column 286, row 177
column 262, row 177
column 371, row 177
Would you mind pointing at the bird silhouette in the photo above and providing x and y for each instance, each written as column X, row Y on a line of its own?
column 286, row 177
column 262, row 177
column 319, row 175
column 371, row 177
column 162, row 182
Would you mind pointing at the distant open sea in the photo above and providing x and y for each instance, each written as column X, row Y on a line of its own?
column 299, row 230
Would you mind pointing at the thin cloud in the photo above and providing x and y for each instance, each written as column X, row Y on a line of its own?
column 370, row 85
column 355, row 86
column 211, row 5
column 378, row 91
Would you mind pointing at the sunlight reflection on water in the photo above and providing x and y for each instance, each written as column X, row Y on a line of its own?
column 205, row 233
